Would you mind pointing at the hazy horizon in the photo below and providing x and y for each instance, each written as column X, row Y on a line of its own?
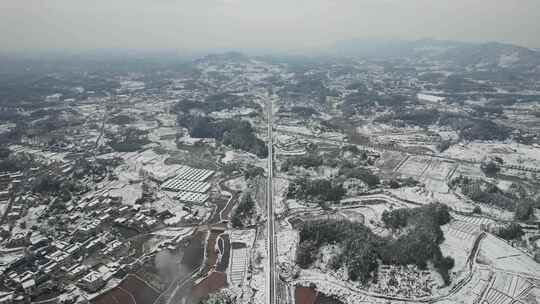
column 278, row 26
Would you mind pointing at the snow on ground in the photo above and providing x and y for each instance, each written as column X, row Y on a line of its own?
column 243, row 157
column 326, row 253
column 237, row 184
column 259, row 277
column 501, row 255
column 229, row 156
column 373, row 129
column 294, row 204
column 458, row 245
column 46, row 156
column 472, row 291
column 281, row 186
column 473, row 171
column 511, row 153
column 30, row 219
column 5, row 127
column 129, row 193
column 415, row 194
column 145, row 125
column 167, row 120
column 9, row 256
column 295, row 129
column 174, row 232
column 243, row 236
column 332, row 286
column 3, row 206
column 448, row 134
column 165, row 136
column 430, row 98
column 230, row 113
column 148, row 161
column 287, row 240
column 165, row 201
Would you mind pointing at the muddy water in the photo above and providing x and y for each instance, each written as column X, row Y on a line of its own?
column 211, row 254
column 308, row 295
column 190, row 261
column 225, row 249
column 214, row 273
column 194, row 252
column 304, row 295
column 168, row 265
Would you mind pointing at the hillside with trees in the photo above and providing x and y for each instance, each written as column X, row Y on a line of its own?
column 516, row 199
column 416, row 241
column 239, row 134
column 318, row 190
column 244, row 211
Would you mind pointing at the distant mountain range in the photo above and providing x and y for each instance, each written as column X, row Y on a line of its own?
column 491, row 54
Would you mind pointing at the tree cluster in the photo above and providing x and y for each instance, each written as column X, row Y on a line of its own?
column 121, row 120
column 418, row 117
column 236, row 133
column 253, row 172
column 128, row 139
column 318, row 190
column 516, row 199
column 363, row 174
column 244, row 210
column 305, row 112
column 309, row 160
column 510, row 232
column 362, row 249
column 214, row 103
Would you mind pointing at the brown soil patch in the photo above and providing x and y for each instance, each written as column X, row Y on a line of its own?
column 213, row 283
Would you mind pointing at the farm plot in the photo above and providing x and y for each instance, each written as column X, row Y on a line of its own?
column 495, row 296
column 241, row 244
column 462, row 230
column 511, row 285
column 354, row 216
column 479, row 221
column 414, row 166
column 468, row 170
column 501, row 255
column 510, row 288
column 191, row 197
column 177, row 184
column 437, row 174
column 239, row 258
column 368, row 215
column 193, row 174
column 390, row 160
column 473, row 290
column 433, row 172
column 456, row 247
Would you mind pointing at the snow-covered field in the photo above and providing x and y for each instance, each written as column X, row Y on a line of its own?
column 240, row 255
column 511, row 153
column 458, row 245
column 501, row 255
column 287, row 240
column 237, row 184
column 430, row 98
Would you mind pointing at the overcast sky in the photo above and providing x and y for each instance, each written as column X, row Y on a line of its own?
column 277, row 25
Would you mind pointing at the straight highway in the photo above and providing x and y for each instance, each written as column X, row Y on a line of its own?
column 271, row 284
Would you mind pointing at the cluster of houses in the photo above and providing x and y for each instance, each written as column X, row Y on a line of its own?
column 40, row 264
column 46, row 265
